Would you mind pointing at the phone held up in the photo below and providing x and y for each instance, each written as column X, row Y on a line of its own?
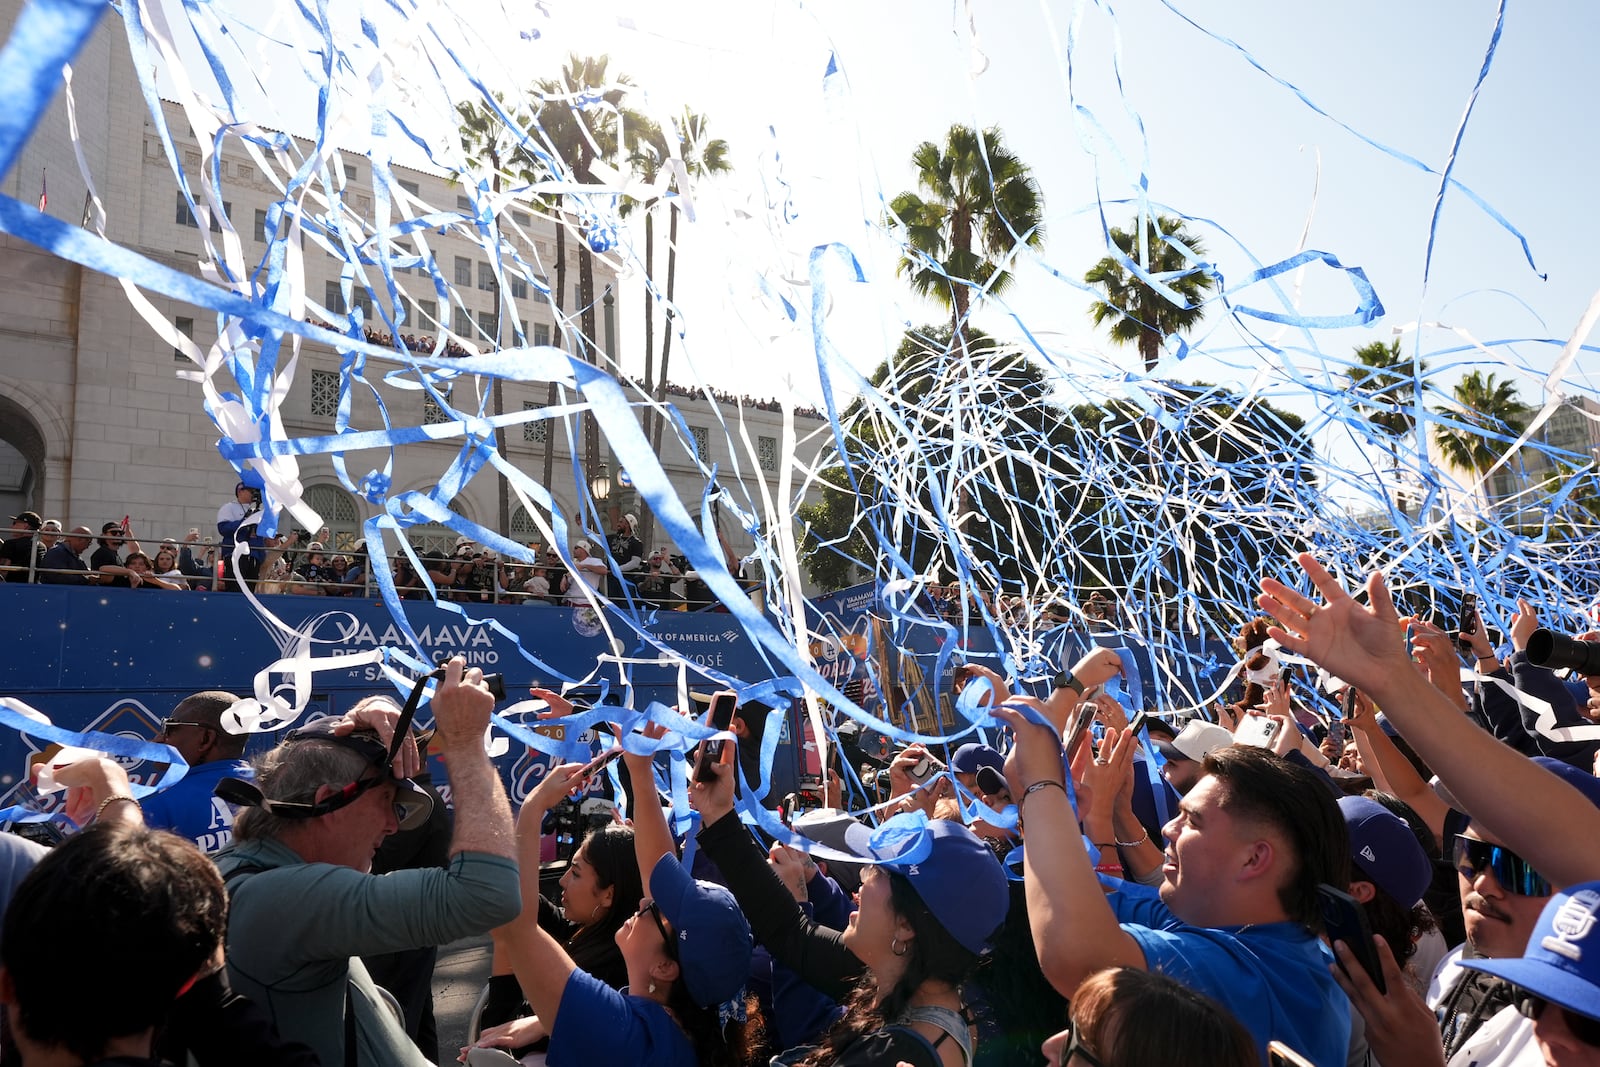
column 722, row 706
column 1346, row 921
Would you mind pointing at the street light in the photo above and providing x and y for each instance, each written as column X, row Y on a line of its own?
column 600, row 485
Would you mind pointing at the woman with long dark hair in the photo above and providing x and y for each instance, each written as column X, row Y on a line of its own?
column 599, row 893
column 686, row 951
column 929, row 901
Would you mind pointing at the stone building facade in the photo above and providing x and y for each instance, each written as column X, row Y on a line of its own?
column 97, row 423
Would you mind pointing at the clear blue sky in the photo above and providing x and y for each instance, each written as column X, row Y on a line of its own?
column 1224, row 143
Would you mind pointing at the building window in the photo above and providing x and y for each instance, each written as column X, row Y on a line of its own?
column 463, row 204
column 363, row 205
column 702, row 443
column 520, row 218
column 338, row 511
column 333, row 298
column 461, row 323
column 488, row 323
column 184, row 325
column 411, row 187
column 261, row 227
column 485, row 277
column 432, row 413
column 363, row 300
column 541, row 333
column 523, row 528
column 767, row 453
column 519, row 287
column 350, row 171
column 534, row 432
column 463, row 270
column 577, row 296
column 324, row 394
column 185, row 217
column 541, row 291
column 430, row 310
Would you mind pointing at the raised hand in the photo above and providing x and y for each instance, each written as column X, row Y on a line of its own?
column 1361, row 643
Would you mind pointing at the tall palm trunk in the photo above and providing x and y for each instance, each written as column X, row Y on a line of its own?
column 666, row 335
column 590, row 431
column 560, row 305
column 497, row 391
column 647, row 520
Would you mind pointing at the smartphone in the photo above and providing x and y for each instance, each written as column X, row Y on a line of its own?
column 1468, row 623
column 1338, row 731
column 1281, row 1055
column 1080, row 725
column 1257, row 730
column 1345, row 920
column 1138, row 723
column 599, row 763
column 722, row 706
column 924, row 768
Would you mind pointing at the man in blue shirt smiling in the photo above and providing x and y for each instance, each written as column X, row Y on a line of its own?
column 1238, row 912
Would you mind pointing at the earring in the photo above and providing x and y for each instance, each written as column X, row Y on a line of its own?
column 594, row 915
column 652, row 988
column 894, row 946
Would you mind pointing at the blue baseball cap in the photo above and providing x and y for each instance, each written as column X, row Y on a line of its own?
column 1562, row 961
column 714, row 942
column 1385, row 851
column 953, row 871
column 972, row 755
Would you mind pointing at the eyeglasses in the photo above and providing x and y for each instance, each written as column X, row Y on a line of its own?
column 168, row 724
column 1583, row 1028
column 1515, row 874
column 1075, row 1048
column 654, row 911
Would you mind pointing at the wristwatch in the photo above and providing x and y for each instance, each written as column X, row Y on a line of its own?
column 1065, row 680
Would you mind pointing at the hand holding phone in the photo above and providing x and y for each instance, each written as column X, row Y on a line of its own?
column 1346, row 920
column 721, row 718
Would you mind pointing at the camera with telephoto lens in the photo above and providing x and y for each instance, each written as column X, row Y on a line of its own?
column 1546, row 648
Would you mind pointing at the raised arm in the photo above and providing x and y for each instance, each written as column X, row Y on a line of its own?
column 1075, row 932
column 1510, row 795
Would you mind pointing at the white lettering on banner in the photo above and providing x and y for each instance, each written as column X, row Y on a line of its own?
column 463, row 636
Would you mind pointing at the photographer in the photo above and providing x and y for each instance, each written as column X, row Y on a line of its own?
column 1512, row 721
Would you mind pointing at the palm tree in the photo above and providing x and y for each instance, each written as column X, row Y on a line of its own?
column 703, row 156
column 972, row 190
column 580, row 117
column 1383, row 379
column 490, row 141
column 1486, row 410
column 1139, row 313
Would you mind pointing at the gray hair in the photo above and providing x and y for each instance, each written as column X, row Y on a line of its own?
column 293, row 771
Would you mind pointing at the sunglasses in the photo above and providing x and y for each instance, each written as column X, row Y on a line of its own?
column 1515, row 874
column 1076, row 1048
column 654, row 910
column 168, row 724
column 1583, row 1028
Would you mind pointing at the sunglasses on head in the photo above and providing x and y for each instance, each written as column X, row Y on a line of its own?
column 654, row 911
column 1515, row 874
column 1583, row 1028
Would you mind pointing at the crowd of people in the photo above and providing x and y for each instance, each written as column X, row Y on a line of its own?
column 1404, row 872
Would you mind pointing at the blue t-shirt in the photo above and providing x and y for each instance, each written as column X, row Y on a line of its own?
column 597, row 1024
column 1273, row 976
column 192, row 809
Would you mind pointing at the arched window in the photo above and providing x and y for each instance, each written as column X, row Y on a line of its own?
column 523, row 529
column 338, row 511
column 432, row 537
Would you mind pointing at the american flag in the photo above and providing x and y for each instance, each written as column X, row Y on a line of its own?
column 44, row 191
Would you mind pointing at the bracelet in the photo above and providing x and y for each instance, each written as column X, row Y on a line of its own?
column 110, row 800
column 1144, row 835
column 1036, row 786
column 1102, row 845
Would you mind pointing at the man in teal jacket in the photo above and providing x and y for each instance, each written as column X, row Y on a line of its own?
column 304, row 904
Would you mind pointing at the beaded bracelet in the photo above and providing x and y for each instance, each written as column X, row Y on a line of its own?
column 110, row 800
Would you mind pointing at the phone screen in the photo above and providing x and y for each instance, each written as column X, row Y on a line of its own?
column 722, row 707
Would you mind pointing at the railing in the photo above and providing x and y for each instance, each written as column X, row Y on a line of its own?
column 210, row 568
